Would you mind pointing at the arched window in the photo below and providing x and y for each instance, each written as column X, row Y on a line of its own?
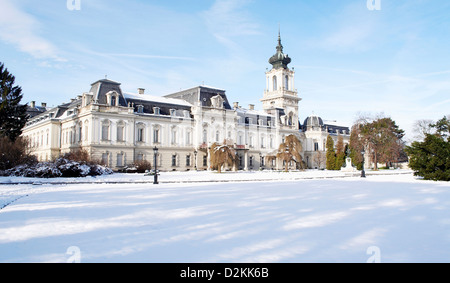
column 275, row 87
column 113, row 100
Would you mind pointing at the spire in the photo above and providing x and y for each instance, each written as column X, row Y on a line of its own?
column 280, row 46
column 279, row 60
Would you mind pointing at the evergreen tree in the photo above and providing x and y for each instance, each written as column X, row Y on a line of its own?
column 431, row 158
column 331, row 154
column 13, row 116
column 340, row 153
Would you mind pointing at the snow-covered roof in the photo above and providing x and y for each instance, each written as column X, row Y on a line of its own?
column 252, row 112
column 157, row 99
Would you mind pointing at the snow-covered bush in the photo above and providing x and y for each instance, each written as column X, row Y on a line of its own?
column 62, row 167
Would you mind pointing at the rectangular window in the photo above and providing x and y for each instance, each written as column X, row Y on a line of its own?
column 155, row 136
column 188, row 138
column 105, row 158
column 120, row 135
column 205, row 160
column 174, row 136
column 188, row 160
column 174, row 160
column 119, row 159
column 140, row 133
column 105, row 133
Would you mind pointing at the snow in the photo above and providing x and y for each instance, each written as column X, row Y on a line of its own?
column 312, row 216
column 158, row 99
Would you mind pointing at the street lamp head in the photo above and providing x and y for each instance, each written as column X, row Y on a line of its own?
column 155, row 150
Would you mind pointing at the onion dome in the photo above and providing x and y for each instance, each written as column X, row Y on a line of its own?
column 280, row 60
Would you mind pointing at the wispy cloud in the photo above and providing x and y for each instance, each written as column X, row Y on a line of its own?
column 146, row 56
column 22, row 30
column 353, row 29
column 228, row 18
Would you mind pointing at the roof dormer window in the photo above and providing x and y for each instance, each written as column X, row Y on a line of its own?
column 112, row 98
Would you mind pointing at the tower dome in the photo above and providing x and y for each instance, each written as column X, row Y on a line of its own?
column 313, row 122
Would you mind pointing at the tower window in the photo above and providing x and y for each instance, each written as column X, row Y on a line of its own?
column 275, row 87
column 286, row 82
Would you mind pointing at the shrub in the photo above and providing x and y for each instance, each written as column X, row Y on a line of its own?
column 14, row 153
column 142, row 166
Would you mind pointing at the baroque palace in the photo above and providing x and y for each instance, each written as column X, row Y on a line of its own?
column 119, row 128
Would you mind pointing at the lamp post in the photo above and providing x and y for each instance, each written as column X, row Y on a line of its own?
column 363, row 172
column 260, row 161
column 155, row 151
column 195, row 160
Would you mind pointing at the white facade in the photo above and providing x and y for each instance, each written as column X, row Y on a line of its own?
column 119, row 128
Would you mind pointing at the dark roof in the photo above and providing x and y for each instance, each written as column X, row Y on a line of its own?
column 317, row 122
column 280, row 60
column 201, row 94
column 101, row 87
column 35, row 111
column 313, row 121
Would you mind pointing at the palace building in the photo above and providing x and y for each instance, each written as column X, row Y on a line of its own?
column 120, row 128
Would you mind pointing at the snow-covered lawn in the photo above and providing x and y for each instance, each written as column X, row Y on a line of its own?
column 282, row 217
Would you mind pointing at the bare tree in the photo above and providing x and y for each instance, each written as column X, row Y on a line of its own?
column 421, row 128
column 222, row 155
column 320, row 159
column 290, row 151
column 382, row 138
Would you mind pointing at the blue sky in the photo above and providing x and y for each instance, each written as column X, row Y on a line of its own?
column 348, row 59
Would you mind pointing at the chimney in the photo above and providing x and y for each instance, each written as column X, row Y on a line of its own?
column 251, row 106
column 33, row 104
column 236, row 105
column 141, row 90
column 44, row 105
